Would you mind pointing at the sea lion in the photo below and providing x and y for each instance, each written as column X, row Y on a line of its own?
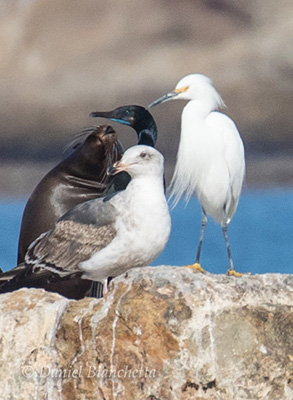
column 89, row 230
column 80, row 177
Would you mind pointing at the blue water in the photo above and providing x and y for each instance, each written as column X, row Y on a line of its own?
column 261, row 234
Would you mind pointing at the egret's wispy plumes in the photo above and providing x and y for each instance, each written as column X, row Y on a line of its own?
column 210, row 159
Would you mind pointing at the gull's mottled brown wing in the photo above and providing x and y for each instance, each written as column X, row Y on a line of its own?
column 54, row 255
column 68, row 244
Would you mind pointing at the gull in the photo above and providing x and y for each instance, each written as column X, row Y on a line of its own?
column 78, row 178
column 107, row 236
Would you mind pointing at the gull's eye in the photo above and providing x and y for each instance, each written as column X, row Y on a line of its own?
column 143, row 154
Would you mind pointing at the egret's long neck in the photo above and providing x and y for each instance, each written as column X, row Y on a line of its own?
column 197, row 110
column 203, row 106
column 191, row 141
column 192, row 119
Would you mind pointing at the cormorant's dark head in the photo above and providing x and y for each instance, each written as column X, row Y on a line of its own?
column 138, row 118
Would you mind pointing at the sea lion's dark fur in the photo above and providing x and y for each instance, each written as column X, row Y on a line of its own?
column 80, row 177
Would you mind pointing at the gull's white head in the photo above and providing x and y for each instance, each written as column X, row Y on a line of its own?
column 194, row 87
column 140, row 161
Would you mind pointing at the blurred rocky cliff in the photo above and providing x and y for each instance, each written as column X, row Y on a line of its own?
column 60, row 60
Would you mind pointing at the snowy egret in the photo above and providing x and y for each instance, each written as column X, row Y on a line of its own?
column 210, row 159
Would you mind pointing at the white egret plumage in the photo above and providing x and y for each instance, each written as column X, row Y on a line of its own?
column 210, row 159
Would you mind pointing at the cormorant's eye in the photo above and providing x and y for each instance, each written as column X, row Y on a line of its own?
column 127, row 112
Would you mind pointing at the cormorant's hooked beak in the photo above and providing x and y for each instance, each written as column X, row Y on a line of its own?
column 108, row 115
column 168, row 96
column 117, row 167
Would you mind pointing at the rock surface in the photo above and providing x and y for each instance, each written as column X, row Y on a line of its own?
column 161, row 333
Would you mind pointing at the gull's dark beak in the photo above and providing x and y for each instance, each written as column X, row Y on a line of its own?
column 164, row 98
column 117, row 167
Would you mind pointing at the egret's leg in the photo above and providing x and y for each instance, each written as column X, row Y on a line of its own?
column 196, row 266
column 231, row 270
column 204, row 221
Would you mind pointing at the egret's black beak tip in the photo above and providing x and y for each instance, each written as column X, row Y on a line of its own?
column 162, row 99
column 154, row 103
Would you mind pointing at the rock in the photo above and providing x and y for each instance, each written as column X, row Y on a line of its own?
column 161, row 333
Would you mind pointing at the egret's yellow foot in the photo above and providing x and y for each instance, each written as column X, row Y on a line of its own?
column 196, row 267
column 232, row 272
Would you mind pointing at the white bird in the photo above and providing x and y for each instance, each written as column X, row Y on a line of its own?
column 107, row 236
column 210, row 159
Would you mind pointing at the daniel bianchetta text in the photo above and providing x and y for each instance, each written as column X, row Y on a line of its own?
column 29, row 371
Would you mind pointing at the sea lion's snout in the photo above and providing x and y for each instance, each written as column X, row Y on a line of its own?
column 109, row 130
column 105, row 130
